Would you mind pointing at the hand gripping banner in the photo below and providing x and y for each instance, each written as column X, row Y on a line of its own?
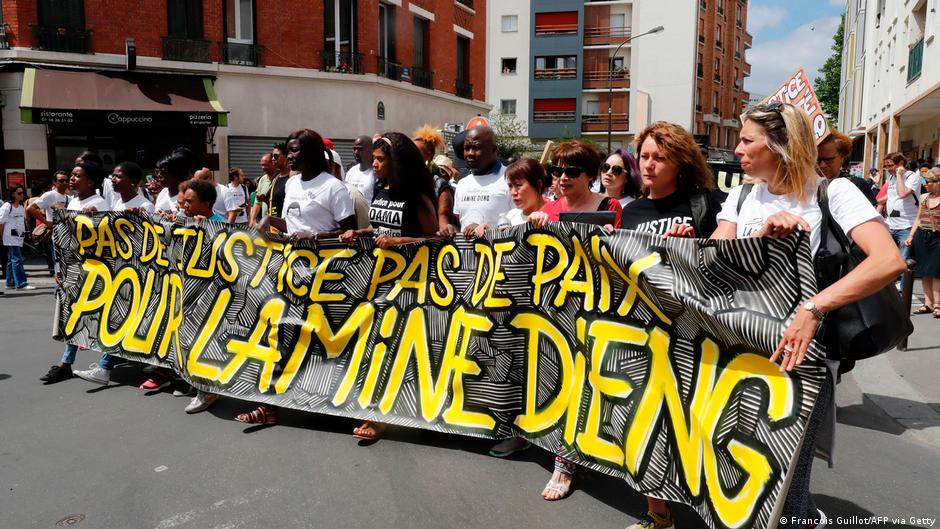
column 639, row 357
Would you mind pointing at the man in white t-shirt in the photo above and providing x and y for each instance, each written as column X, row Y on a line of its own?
column 56, row 198
column 239, row 193
column 482, row 196
column 361, row 175
column 901, row 203
column 224, row 202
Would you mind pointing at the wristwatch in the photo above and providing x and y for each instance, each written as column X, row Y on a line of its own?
column 811, row 307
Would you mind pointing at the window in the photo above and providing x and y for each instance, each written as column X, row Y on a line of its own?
column 339, row 16
column 422, row 36
column 700, row 71
column 592, row 107
column 617, row 20
column 698, row 99
column 68, row 14
column 701, row 30
column 463, row 60
column 386, row 36
column 737, row 17
column 184, row 18
column 509, row 65
column 721, row 8
column 718, row 36
column 737, row 47
column 737, row 74
column 240, row 24
column 556, row 67
column 617, row 63
column 510, row 23
column 507, row 106
column 717, row 70
column 556, row 23
column 715, row 98
column 554, row 110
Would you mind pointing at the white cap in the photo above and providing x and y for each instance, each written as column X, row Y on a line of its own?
column 336, row 159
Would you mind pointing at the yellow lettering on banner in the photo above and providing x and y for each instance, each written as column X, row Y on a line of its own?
column 542, row 242
column 290, row 259
column 260, row 346
column 84, row 225
column 492, row 301
column 535, row 420
column 124, row 228
column 174, row 320
column 389, row 319
column 444, row 299
column 415, row 277
column 194, row 367
column 433, row 393
column 359, row 322
column 603, row 299
column 269, row 248
column 125, row 275
column 192, row 267
column 186, row 234
column 322, row 275
column 131, row 342
column 569, row 283
column 153, row 246
column 97, row 272
column 604, row 333
column 105, row 239
column 231, row 274
column 480, row 283
column 379, row 276
column 630, row 278
column 285, row 267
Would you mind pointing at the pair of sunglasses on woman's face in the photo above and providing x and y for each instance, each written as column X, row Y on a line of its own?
column 572, row 171
column 615, row 170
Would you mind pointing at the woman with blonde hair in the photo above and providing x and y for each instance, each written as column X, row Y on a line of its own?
column 429, row 140
column 778, row 150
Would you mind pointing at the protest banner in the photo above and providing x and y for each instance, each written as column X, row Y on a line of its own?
column 639, row 357
column 799, row 91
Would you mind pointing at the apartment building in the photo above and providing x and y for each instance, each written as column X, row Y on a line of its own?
column 228, row 78
column 890, row 89
column 592, row 69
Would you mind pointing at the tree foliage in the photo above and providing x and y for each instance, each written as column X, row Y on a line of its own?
column 828, row 83
column 511, row 139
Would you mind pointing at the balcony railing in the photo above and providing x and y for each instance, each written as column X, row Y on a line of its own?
column 556, row 73
column 598, row 122
column 341, row 62
column 915, row 60
column 556, row 29
column 69, row 40
column 600, row 35
column 240, row 53
column 468, row 3
column 600, row 78
column 4, row 42
column 554, row 116
column 183, row 49
column 389, row 70
column 421, row 77
column 464, row 90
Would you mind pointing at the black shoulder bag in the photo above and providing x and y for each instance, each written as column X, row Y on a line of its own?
column 869, row 326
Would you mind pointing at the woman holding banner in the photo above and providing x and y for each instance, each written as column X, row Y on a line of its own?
column 778, row 150
column 404, row 210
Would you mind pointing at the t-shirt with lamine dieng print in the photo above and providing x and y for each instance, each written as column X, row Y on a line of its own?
column 391, row 215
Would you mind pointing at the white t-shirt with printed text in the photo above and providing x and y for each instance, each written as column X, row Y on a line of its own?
column 49, row 199
column 481, row 199
column 907, row 206
column 13, row 220
column 315, row 205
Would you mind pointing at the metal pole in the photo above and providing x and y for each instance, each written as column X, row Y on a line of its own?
column 907, row 292
column 610, row 78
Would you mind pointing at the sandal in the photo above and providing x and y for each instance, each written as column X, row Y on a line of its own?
column 563, row 467
column 259, row 415
column 369, row 431
column 923, row 309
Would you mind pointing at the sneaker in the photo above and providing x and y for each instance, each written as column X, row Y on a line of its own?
column 653, row 521
column 95, row 374
column 509, row 447
column 155, row 383
column 57, row 374
column 26, row 287
column 185, row 391
column 201, row 402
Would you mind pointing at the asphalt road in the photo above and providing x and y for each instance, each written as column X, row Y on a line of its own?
column 113, row 458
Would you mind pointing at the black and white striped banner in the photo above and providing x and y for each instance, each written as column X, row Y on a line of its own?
column 639, row 357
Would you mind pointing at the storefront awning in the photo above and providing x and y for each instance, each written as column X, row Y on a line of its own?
column 119, row 100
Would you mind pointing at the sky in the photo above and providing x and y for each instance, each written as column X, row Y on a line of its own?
column 788, row 35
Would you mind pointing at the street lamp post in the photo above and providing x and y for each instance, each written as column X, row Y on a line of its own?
column 610, row 79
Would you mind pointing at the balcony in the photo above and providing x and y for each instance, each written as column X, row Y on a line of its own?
column 341, row 62
column 4, row 42
column 606, row 35
column 746, row 72
column 241, row 54
column 915, row 60
column 556, row 73
column 465, row 3
column 464, row 90
column 554, row 116
column 556, row 29
column 183, row 49
column 598, row 122
column 69, row 40
column 421, row 77
column 390, row 70
column 618, row 78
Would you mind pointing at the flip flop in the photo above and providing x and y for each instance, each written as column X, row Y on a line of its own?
column 369, row 431
column 923, row 309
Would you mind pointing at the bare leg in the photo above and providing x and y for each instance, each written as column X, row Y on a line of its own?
column 930, row 295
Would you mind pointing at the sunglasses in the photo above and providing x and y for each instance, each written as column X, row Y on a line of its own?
column 572, row 171
column 615, row 170
column 776, row 106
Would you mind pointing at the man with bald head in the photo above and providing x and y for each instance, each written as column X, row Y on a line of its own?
column 361, row 174
column 225, row 204
column 268, row 173
column 483, row 195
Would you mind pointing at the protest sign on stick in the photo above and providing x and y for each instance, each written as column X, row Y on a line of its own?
column 798, row 91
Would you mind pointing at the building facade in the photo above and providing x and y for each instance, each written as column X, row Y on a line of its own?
column 586, row 68
column 248, row 73
column 890, row 83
